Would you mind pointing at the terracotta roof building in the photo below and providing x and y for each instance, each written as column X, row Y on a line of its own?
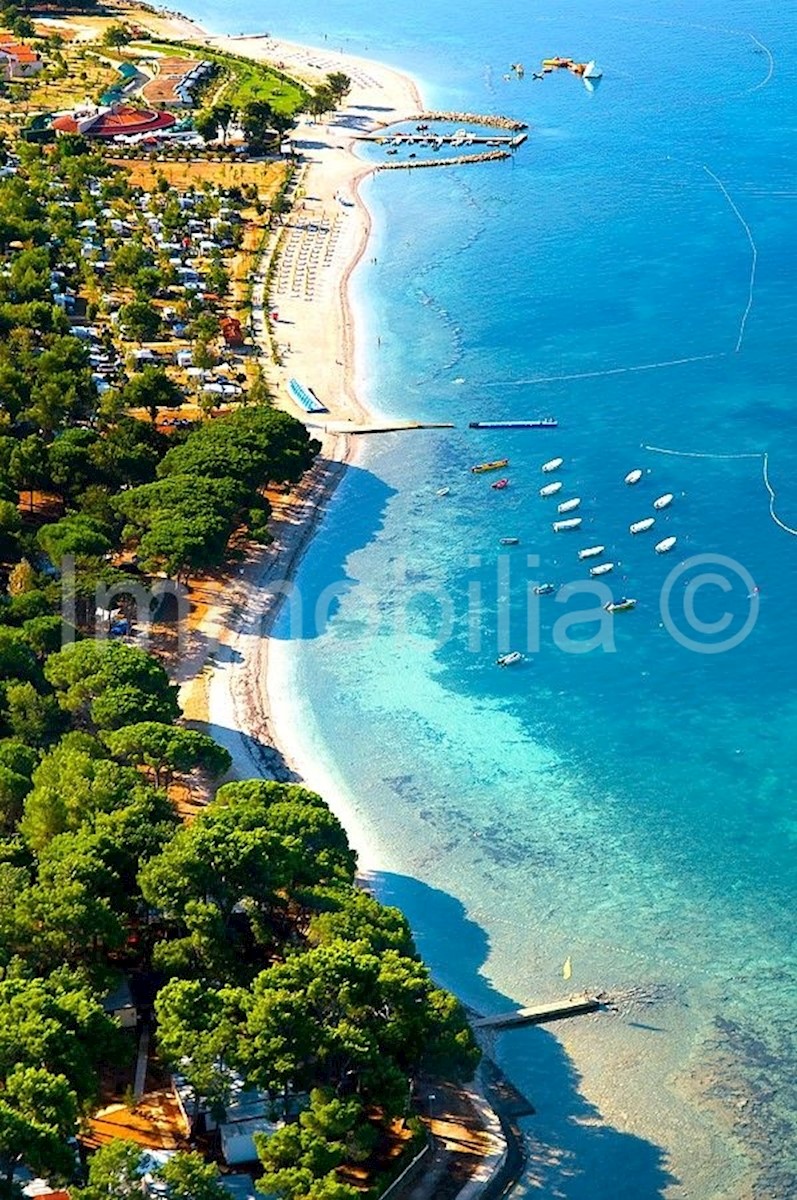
column 17, row 60
column 121, row 119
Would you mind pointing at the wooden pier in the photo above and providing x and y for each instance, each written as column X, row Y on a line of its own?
column 540, row 1014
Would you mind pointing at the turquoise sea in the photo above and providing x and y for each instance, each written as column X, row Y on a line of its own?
column 631, row 806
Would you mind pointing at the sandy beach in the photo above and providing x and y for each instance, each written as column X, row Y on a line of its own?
column 223, row 669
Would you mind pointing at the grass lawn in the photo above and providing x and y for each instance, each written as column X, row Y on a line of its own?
column 245, row 81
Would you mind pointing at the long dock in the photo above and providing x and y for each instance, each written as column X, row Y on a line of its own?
column 540, row 1014
column 445, row 139
column 377, row 427
column 460, row 160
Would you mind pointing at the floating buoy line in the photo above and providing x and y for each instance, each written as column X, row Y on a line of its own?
column 762, row 455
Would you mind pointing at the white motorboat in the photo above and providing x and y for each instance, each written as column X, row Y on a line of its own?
column 664, row 501
column 551, row 489
column 509, row 541
column 510, row 659
column 553, row 464
column 623, row 605
column 642, row 526
column 561, row 526
column 568, row 505
column 443, row 491
column 633, row 476
column 544, row 589
column 591, row 552
column 665, row 545
column 602, row 569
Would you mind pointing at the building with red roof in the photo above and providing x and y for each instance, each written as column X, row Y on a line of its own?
column 17, row 60
column 231, row 331
column 118, row 120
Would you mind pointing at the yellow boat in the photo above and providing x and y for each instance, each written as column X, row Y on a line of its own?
column 490, row 466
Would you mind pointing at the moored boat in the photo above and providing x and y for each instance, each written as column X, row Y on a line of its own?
column 509, row 541
column 642, row 526
column 568, row 505
column 592, row 71
column 443, row 491
column 553, row 464
column 624, row 605
column 499, row 485
column 561, row 526
column 633, row 476
column 664, row 501
column 591, row 551
column 490, row 466
column 602, row 569
column 666, row 544
column 544, row 589
column 510, row 659
column 551, row 489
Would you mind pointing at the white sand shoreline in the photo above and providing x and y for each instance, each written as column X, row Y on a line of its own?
column 317, row 331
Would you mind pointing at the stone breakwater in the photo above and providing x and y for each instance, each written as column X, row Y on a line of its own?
column 444, row 162
column 464, row 118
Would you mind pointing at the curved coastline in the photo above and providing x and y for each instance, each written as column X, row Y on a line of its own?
column 241, row 693
column 244, row 693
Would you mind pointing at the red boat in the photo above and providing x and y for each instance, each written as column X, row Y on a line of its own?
column 500, row 484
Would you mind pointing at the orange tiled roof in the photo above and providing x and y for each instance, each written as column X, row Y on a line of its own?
column 20, row 50
column 125, row 120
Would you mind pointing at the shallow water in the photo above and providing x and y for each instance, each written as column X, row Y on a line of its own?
column 631, row 807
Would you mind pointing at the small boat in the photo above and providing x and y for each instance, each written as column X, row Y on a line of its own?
column 633, row 476
column 642, row 526
column 553, row 464
column 510, row 659
column 551, row 489
column 664, row 501
column 602, row 569
column 665, row 545
column 568, row 505
column 393, row 151
column 544, row 589
column 592, row 71
column 624, row 605
column 509, row 541
column 591, row 552
column 561, row 526
column 443, row 491
column 500, row 484
column 490, row 466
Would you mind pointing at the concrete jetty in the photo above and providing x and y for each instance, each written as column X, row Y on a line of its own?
column 457, row 161
column 465, row 118
column 445, row 139
column 353, row 427
column 539, row 1014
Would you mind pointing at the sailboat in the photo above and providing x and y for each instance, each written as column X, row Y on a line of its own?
column 592, row 71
